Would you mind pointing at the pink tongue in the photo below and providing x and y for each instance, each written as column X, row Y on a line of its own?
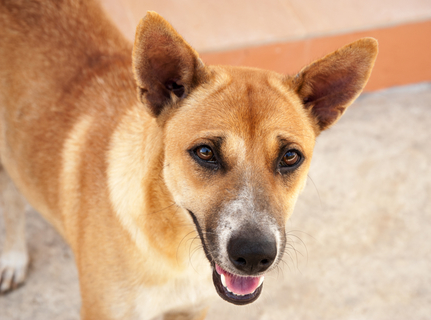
column 237, row 284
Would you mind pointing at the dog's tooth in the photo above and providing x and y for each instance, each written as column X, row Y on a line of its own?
column 261, row 281
column 223, row 280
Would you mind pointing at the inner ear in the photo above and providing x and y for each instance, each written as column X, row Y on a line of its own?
column 176, row 87
column 329, row 85
column 166, row 68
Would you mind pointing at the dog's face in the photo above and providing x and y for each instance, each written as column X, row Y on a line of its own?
column 238, row 144
column 237, row 153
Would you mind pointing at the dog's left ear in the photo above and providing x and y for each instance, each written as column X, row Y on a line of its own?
column 329, row 85
column 166, row 68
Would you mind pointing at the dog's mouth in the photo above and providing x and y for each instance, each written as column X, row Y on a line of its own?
column 239, row 290
column 236, row 289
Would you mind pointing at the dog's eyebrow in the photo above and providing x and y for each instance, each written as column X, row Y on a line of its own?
column 286, row 139
column 211, row 134
column 218, row 141
column 216, row 138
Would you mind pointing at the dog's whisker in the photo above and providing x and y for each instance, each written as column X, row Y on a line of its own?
column 317, row 190
column 290, row 234
column 179, row 245
column 167, row 207
column 295, row 252
column 290, row 257
column 285, row 263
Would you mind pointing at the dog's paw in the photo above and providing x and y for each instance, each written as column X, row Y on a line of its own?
column 13, row 269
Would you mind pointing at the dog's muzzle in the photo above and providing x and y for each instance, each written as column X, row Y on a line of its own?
column 250, row 256
column 238, row 276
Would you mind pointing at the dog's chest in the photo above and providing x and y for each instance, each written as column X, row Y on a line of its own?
column 194, row 288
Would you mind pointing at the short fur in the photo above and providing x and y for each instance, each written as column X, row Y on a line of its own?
column 103, row 145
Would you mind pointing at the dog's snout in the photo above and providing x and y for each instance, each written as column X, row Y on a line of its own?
column 251, row 254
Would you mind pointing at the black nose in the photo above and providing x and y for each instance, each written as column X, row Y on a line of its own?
column 252, row 253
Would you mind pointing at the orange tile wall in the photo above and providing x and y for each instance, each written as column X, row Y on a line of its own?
column 404, row 54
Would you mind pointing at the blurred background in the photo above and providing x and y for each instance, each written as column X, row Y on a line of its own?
column 362, row 228
column 285, row 35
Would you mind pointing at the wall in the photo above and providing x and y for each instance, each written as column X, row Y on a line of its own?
column 285, row 35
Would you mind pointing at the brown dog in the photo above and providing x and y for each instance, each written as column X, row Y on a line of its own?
column 215, row 153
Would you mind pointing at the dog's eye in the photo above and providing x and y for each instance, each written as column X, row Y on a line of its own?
column 205, row 153
column 290, row 159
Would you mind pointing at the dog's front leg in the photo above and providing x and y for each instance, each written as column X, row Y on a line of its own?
column 14, row 258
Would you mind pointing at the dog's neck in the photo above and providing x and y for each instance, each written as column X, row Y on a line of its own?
column 138, row 193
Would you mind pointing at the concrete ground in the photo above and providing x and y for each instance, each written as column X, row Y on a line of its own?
column 361, row 229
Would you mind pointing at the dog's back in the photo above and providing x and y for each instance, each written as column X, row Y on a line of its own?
column 59, row 61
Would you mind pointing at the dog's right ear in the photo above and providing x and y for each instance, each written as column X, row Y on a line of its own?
column 166, row 68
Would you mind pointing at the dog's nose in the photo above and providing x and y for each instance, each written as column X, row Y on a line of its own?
column 252, row 254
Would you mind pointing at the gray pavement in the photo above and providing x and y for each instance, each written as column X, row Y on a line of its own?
column 361, row 229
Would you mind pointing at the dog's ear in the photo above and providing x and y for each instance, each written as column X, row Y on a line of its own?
column 166, row 68
column 329, row 85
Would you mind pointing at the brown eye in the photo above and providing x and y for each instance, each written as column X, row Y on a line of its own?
column 205, row 153
column 290, row 158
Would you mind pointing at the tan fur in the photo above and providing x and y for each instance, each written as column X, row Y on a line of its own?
column 113, row 169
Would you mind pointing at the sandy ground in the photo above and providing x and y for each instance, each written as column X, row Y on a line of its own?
column 361, row 229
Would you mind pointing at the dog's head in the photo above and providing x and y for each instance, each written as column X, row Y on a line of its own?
column 238, row 143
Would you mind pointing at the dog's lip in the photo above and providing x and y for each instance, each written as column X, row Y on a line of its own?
column 231, row 297
column 221, row 290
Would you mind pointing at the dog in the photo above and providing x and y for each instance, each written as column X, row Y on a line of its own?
column 171, row 180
